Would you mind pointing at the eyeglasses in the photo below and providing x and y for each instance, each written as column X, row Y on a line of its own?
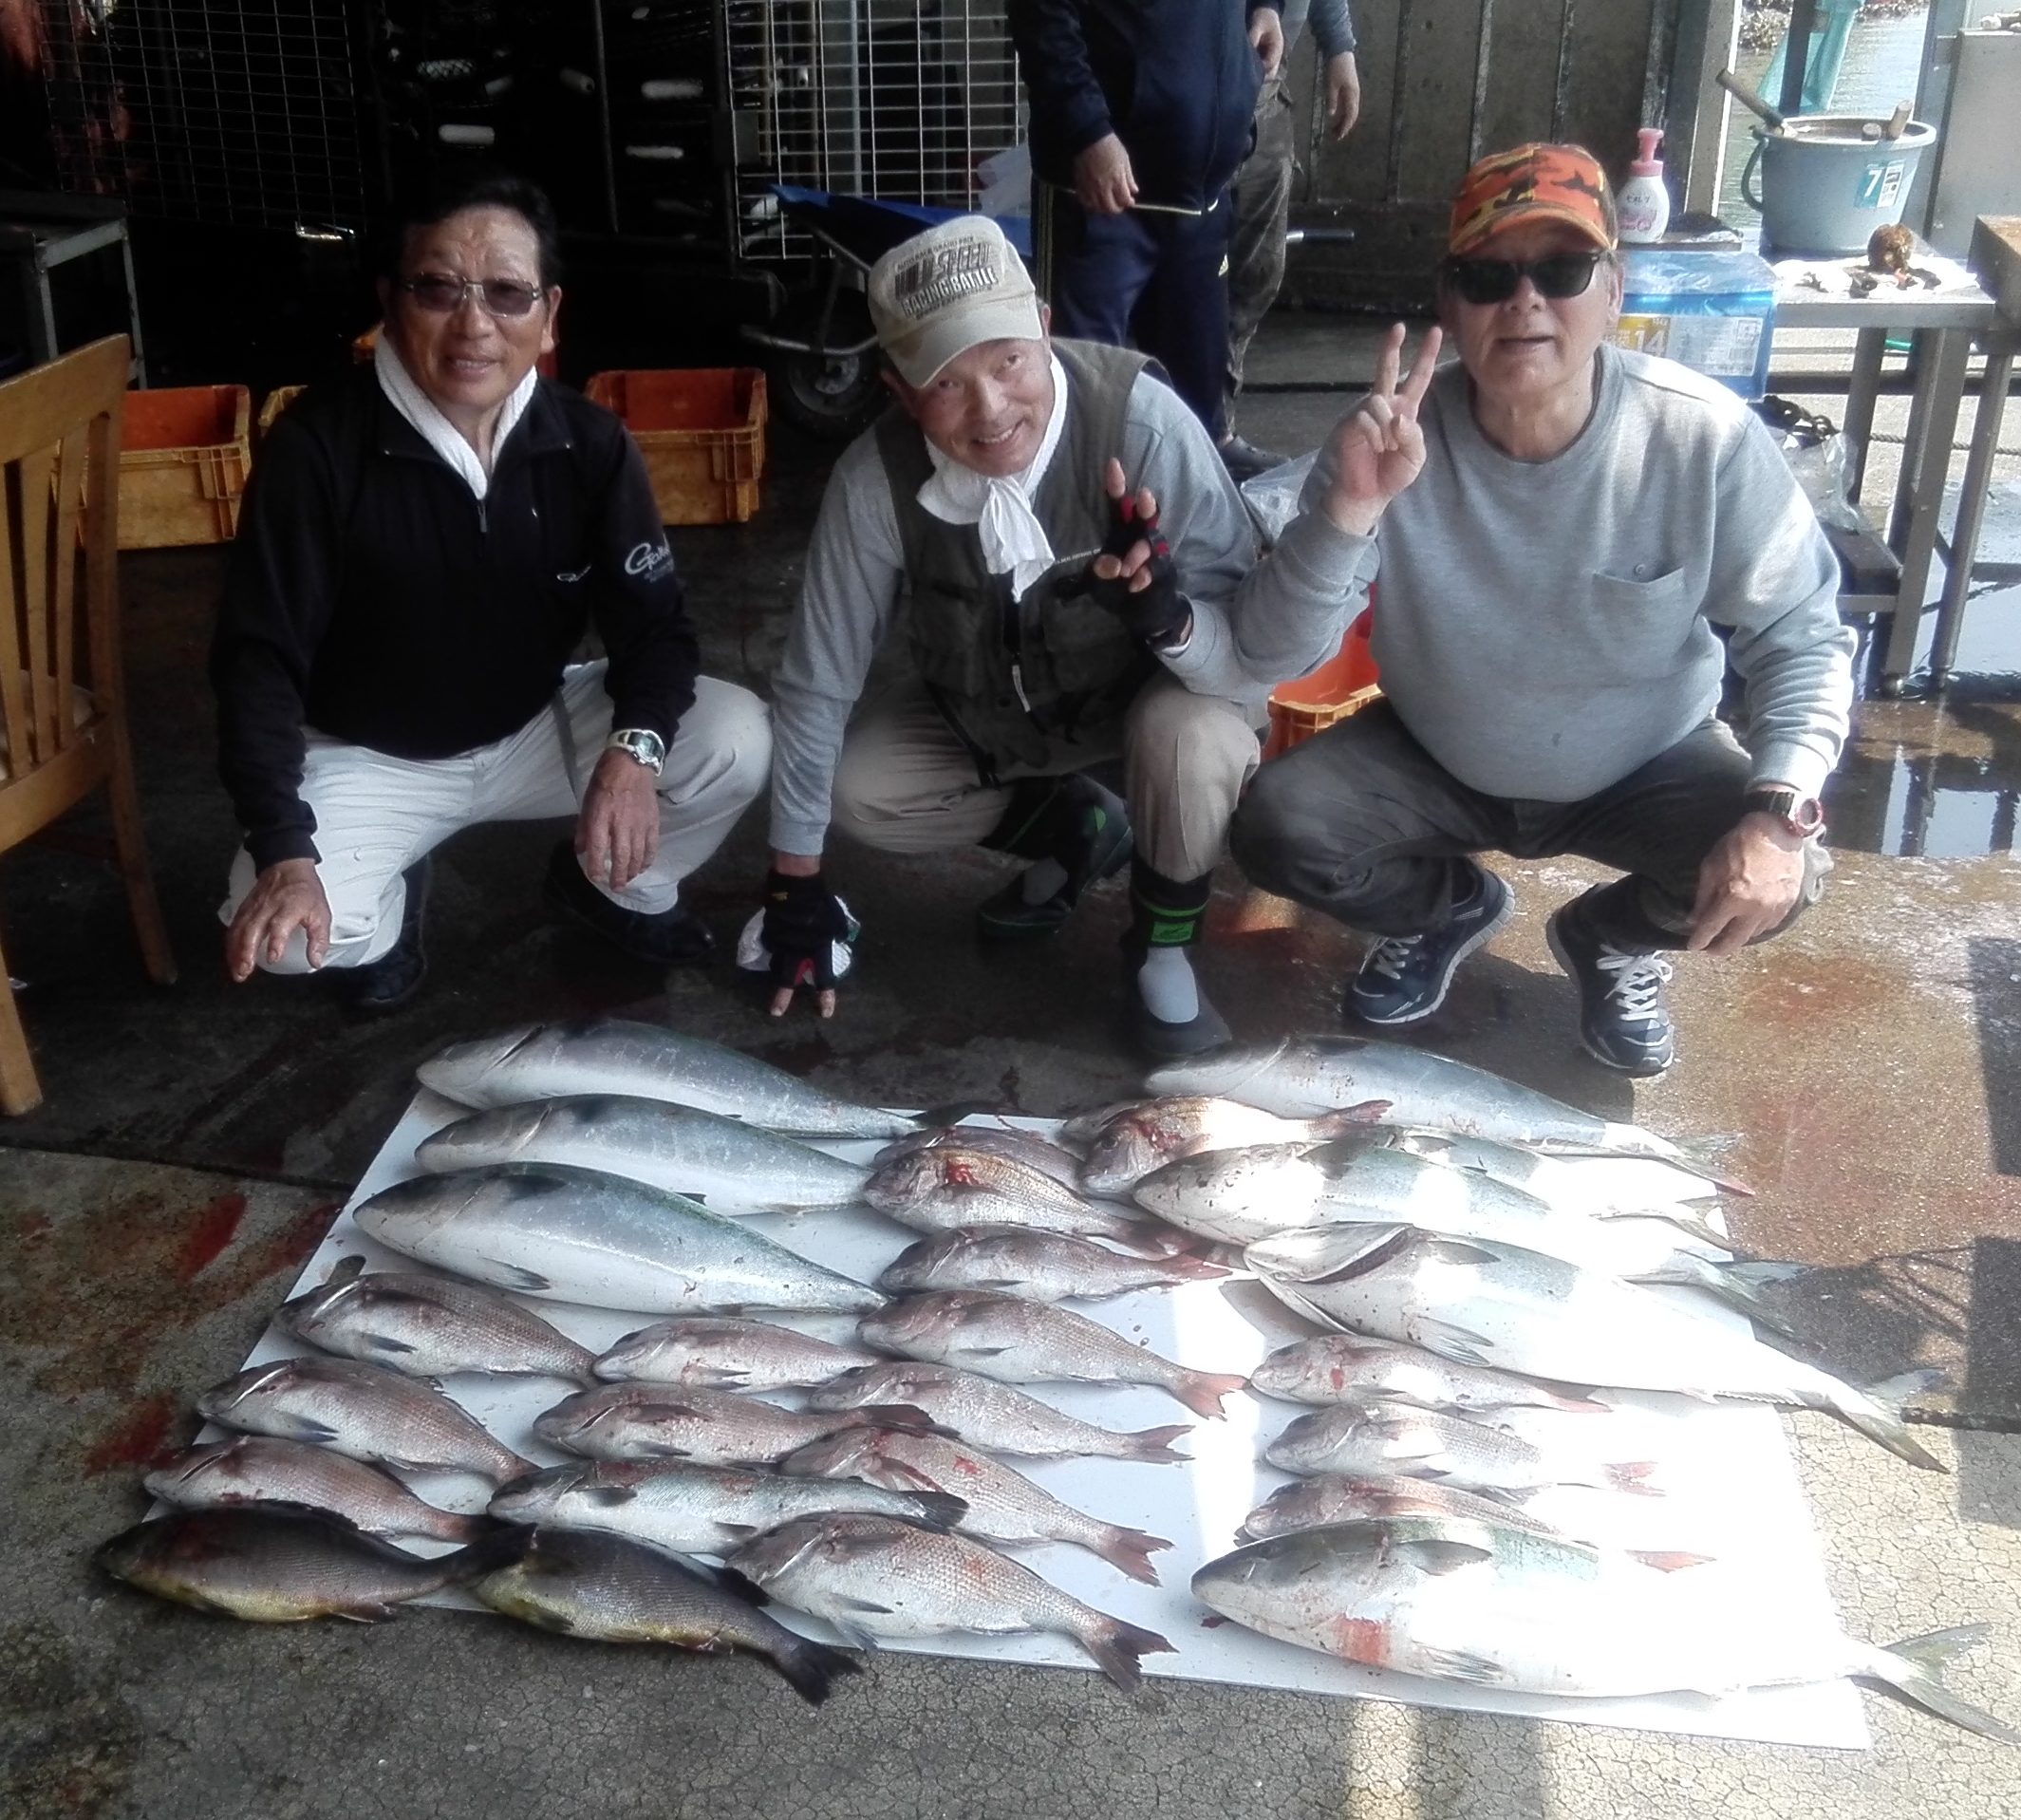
column 1557, row 275
column 495, row 296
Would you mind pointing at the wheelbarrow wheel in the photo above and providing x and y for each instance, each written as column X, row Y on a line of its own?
column 828, row 395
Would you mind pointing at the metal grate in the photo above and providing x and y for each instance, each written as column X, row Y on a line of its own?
column 238, row 113
column 899, row 100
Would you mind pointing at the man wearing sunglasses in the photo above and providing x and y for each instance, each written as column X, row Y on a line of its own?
column 423, row 547
column 1573, row 542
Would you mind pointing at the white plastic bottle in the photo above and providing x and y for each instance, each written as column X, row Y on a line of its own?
column 1644, row 201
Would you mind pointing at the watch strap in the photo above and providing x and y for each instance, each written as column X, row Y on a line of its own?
column 1801, row 816
column 640, row 743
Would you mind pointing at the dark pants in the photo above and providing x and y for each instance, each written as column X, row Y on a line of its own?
column 1359, row 822
column 1146, row 279
column 1262, row 199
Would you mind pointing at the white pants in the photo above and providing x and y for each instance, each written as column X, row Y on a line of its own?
column 375, row 814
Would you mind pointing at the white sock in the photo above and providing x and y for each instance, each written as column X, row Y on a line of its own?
column 1042, row 878
column 1166, row 981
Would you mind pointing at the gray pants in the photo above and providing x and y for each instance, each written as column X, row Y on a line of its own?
column 1361, row 822
column 1262, row 212
column 906, row 784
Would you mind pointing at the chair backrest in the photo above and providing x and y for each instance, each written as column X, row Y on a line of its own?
column 58, row 423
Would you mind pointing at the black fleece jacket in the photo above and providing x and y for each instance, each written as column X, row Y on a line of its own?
column 372, row 596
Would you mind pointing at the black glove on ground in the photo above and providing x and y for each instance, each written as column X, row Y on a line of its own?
column 803, row 920
column 1158, row 612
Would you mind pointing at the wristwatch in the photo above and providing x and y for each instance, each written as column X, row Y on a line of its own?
column 1801, row 816
column 640, row 743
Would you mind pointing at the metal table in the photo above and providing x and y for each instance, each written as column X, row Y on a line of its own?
column 39, row 232
column 1941, row 320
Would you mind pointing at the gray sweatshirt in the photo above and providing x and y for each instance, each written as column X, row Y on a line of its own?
column 1544, row 628
column 1331, row 26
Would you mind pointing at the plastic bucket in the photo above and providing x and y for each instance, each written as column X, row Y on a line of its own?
column 1824, row 188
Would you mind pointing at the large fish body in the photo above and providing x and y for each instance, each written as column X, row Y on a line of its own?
column 1350, row 1368
column 1485, row 1605
column 1155, row 1132
column 710, row 1427
column 724, row 1352
column 610, row 1589
column 1044, row 1267
column 872, row 1578
column 1002, row 1505
column 1019, row 1146
column 943, row 1187
column 704, row 1509
column 429, row 1326
column 575, row 1235
column 1499, row 1306
column 648, row 1061
column 993, row 1415
column 361, row 1410
column 257, row 1468
column 1029, row 1342
column 1599, row 1183
column 1328, row 1498
column 729, row 1165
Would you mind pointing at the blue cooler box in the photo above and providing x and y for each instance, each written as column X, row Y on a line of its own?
column 1714, row 311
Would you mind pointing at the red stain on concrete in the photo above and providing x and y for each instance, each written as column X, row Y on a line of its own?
column 290, row 1248
column 141, row 1440
column 211, row 1229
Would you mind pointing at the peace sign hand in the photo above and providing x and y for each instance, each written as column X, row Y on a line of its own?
column 1379, row 448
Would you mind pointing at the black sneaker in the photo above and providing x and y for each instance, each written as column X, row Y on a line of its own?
column 675, row 937
column 1099, row 846
column 1244, row 460
column 388, row 983
column 1622, row 1020
column 1404, row 978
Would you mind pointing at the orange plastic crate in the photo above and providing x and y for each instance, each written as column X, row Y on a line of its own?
column 1343, row 685
column 184, row 453
column 702, row 431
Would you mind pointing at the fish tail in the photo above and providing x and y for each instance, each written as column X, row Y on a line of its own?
column 1202, row 1391
column 1117, row 1647
column 1128, row 1551
column 1739, row 1286
column 1914, row 1668
column 457, row 1528
column 1881, row 1422
column 1155, row 1444
column 1349, row 1119
column 811, row 1667
column 938, row 1509
column 1632, row 1475
column 499, row 1548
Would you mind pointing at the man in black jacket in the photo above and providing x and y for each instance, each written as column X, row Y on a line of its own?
column 423, row 548
column 1142, row 110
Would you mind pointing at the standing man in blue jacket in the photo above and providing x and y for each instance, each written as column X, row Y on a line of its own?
column 1142, row 111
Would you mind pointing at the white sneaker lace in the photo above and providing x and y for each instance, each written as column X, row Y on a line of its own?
column 1639, row 983
column 1390, row 954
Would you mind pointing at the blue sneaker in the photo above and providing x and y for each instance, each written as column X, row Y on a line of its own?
column 1622, row 1020
column 1404, row 978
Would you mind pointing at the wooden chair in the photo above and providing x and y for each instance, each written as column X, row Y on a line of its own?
column 63, row 732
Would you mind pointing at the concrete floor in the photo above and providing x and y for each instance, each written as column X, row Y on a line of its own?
column 196, row 1143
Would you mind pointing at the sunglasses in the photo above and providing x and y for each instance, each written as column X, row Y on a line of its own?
column 1557, row 275
column 495, row 296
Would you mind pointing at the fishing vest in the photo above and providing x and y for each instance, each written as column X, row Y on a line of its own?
column 1013, row 677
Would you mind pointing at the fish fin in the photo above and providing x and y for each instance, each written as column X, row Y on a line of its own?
column 1203, row 1392
column 1668, row 1561
column 1739, row 1286
column 870, row 1605
column 498, row 1547
column 1451, row 1342
column 907, row 1417
column 1117, row 1647
column 306, row 1428
column 1458, row 1665
column 738, row 1584
column 1288, row 1294
column 980, row 1352
column 527, row 1282
column 1881, row 1422
column 369, row 1614
column 1903, row 1385
column 1632, row 1475
column 1128, row 1551
column 1155, row 1444
column 854, row 1635
column 1378, row 1251
column 1349, row 1119
column 939, row 1511
column 811, row 1668
column 609, row 1496
column 1689, row 1223
column 386, row 1344
column 1914, row 1669
column 345, row 1272
column 1441, row 1555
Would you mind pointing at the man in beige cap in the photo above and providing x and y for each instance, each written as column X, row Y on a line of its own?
column 1052, row 536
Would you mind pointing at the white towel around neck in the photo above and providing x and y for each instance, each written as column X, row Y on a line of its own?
column 436, row 430
column 1000, row 506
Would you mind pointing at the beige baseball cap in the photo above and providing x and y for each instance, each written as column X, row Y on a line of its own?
column 948, row 290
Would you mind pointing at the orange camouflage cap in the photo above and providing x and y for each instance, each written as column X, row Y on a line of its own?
column 1532, row 183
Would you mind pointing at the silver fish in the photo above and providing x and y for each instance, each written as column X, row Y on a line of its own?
column 993, row 1415
column 648, row 1061
column 428, row 1327
column 1020, row 1146
column 361, row 1411
column 720, row 1352
column 703, row 1510
column 1003, row 1505
column 1486, row 1605
column 1484, row 1303
column 872, row 1578
column 613, row 1590
column 1332, row 1497
column 1349, row 1368
column 256, row 1469
column 729, row 1165
column 1045, row 1267
column 1161, row 1130
column 1028, row 1343
column 710, row 1427
column 575, row 1235
column 943, row 1187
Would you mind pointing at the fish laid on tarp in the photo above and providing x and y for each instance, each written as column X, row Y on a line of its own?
column 280, row 1564
column 364, row 1410
column 647, row 1061
column 1601, row 1185
column 257, row 1468
column 577, row 1235
column 1156, row 1131
column 1019, row 1146
column 728, row 1164
column 1003, row 1505
column 1328, row 1498
column 1030, row 1343
column 711, row 1427
column 993, row 1415
column 1306, row 1077
column 429, row 1326
column 1045, row 1267
column 944, row 1186
column 1350, row 1368
column 1484, row 1605
column 704, row 1509
column 608, row 1590
column 724, row 1352
column 1482, row 1303
column 872, row 1578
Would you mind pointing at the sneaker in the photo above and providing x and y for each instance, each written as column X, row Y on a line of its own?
column 388, row 983
column 1244, row 460
column 1622, row 1020
column 675, row 937
column 1404, row 978
column 1099, row 847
